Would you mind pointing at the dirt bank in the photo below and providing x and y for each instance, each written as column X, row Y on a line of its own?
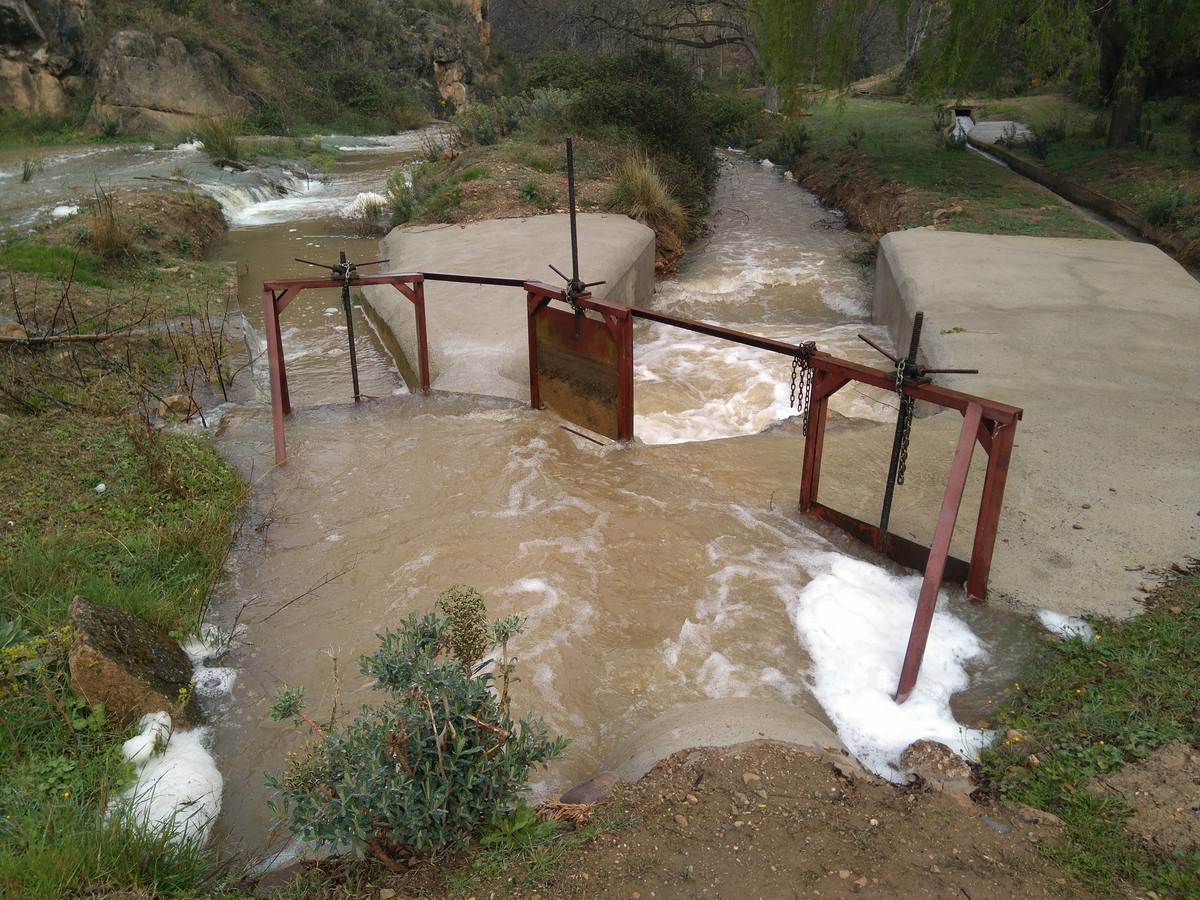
column 775, row 820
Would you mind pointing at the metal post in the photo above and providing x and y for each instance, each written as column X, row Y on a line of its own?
column 275, row 369
column 345, row 274
column 939, row 549
column 990, row 504
column 422, row 335
column 903, row 423
column 575, row 282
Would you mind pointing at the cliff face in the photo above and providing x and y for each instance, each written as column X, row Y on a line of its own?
column 41, row 54
column 156, row 87
column 277, row 64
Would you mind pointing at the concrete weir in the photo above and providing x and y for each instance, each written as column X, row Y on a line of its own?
column 1097, row 341
column 478, row 333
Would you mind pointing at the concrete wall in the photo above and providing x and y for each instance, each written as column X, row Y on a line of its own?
column 477, row 334
column 1096, row 340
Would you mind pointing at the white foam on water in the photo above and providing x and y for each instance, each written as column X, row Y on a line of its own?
column 63, row 212
column 191, row 146
column 697, row 388
column 365, row 203
column 718, row 677
column 854, row 619
column 1065, row 626
column 178, row 787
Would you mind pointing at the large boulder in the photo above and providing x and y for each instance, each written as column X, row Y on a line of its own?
column 41, row 54
column 129, row 666
column 161, row 87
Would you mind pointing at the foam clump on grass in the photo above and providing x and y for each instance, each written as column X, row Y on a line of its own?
column 178, row 787
column 1065, row 626
column 854, row 620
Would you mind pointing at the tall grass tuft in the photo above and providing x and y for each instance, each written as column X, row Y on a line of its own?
column 220, row 138
column 641, row 194
column 30, row 168
column 109, row 233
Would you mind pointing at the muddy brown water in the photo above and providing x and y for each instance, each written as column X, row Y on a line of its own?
column 650, row 576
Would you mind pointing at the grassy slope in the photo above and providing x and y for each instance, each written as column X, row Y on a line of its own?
column 1166, row 176
column 151, row 542
column 900, row 144
column 1089, row 708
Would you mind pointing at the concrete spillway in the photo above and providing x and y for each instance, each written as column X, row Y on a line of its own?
column 477, row 333
column 1097, row 341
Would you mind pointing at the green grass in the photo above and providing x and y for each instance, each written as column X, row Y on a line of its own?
column 152, row 543
column 1087, row 709
column 53, row 260
column 898, row 141
column 525, row 864
column 1163, row 176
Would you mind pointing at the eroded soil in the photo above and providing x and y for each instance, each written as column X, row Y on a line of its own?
column 772, row 820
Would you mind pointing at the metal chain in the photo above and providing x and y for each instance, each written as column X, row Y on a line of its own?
column 802, row 378
column 906, row 415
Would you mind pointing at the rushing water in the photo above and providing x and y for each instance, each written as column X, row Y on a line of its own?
column 669, row 571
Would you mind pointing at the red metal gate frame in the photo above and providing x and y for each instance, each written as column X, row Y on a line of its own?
column 279, row 293
column 988, row 423
column 620, row 325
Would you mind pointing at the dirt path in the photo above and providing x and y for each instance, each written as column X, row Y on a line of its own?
column 777, row 821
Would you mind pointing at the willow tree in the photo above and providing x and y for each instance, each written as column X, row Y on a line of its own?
column 1113, row 49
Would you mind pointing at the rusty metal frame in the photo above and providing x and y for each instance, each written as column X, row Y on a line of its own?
column 620, row 325
column 279, row 293
column 992, row 425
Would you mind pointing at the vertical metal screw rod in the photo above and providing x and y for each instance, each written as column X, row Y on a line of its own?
column 902, row 421
column 571, row 202
column 345, row 271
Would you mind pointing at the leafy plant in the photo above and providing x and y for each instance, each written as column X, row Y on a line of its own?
column 436, row 762
column 12, row 632
column 531, row 192
column 183, row 244
column 855, row 137
column 786, row 147
column 523, row 827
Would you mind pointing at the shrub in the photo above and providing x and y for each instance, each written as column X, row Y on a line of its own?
column 220, row 139
column 563, row 70
column 641, row 194
column 532, row 193
column 786, row 147
column 655, row 97
column 1192, row 123
column 733, row 119
column 1168, row 208
column 855, row 137
column 434, row 764
column 487, row 124
column 547, row 113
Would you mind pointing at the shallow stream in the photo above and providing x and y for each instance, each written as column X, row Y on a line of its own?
column 669, row 571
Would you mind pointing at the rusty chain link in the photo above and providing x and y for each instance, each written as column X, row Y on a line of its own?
column 802, row 379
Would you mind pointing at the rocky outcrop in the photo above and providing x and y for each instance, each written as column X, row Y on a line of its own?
column 41, row 54
column 161, row 87
column 129, row 666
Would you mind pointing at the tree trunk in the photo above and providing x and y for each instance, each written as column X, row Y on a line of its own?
column 771, row 98
column 1125, row 123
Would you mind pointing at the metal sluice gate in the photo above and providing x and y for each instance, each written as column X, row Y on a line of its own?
column 581, row 366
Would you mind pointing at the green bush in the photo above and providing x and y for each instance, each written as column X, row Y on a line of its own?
column 787, row 146
column 1169, row 208
column 1191, row 122
column 434, row 764
column 547, row 114
column 529, row 191
column 734, row 120
column 486, row 124
column 563, row 70
column 657, row 98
